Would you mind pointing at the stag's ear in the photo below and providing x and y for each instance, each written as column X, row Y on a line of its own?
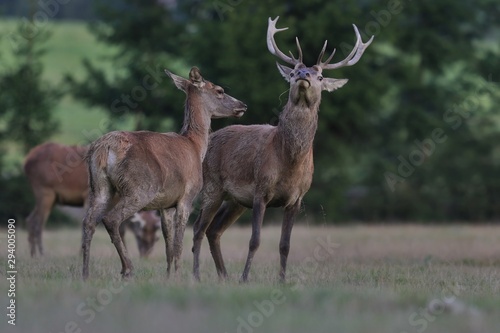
column 285, row 71
column 330, row 84
column 179, row 82
column 195, row 77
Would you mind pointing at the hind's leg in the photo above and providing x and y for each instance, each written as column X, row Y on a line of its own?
column 98, row 204
column 124, row 209
column 36, row 220
column 167, row 229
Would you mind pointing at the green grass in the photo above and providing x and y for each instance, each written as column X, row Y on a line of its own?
column 373, row 279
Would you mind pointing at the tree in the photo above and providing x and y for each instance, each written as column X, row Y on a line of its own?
column 427, row 69
column 26, row 103
column 148, row 38
column 27, row 100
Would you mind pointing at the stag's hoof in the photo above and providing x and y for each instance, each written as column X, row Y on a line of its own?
column 127, row 275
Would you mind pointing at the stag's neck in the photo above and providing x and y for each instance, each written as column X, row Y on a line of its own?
column 296, row 129
column 196, row 126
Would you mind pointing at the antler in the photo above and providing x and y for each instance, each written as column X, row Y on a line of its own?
column 273, row 48
column 351, row 59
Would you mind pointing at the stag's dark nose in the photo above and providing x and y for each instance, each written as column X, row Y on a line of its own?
column 303, row 74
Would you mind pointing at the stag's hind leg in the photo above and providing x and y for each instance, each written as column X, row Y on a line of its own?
column 200, row 226
column 227, row 214
column 259, row 208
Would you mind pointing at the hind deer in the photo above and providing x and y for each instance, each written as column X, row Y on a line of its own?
column 58, row 175
column 143, row 226
column 147, row 170
column 261, row 166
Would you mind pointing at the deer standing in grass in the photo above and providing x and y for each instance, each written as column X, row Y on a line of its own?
column 261, row 166
column 58, row 175
column 147, row 170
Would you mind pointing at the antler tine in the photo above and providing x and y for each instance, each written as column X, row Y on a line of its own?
column 299, row 48
column 300, row 51
column 353, row 57
column 322, row 53
column 273, row 48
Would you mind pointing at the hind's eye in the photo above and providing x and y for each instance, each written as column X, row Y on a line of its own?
column 320, row 78
column 291, row 74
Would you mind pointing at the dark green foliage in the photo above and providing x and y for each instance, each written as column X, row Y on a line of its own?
column 431, row 74
column 27, row 100
column 26, row 119
column 142, row 31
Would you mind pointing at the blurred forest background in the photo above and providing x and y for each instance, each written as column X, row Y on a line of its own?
column 413, row 136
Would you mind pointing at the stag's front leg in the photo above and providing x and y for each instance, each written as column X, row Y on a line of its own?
column 286, row 232
column 259, row 208
column 167, row 221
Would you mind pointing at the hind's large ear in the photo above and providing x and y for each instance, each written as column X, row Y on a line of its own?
column 330, row 84
column 285, row 71
column 195, row 77
column 179, row 82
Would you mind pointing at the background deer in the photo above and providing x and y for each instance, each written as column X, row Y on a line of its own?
column 147, row 170
column 58, row 175
column 261, row 166
column 143, row 226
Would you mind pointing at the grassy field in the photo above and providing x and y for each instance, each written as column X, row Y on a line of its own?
column 341, row 279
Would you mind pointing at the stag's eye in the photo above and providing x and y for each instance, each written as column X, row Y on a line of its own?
column 320, row 78
column 220, row 91
column 291, row 74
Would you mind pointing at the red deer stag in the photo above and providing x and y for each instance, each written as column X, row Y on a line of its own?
column 58, row 175
column 148, row 170
column 261, row 166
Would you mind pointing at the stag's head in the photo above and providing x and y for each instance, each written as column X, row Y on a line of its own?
column 307, row 83
column 215, row 101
